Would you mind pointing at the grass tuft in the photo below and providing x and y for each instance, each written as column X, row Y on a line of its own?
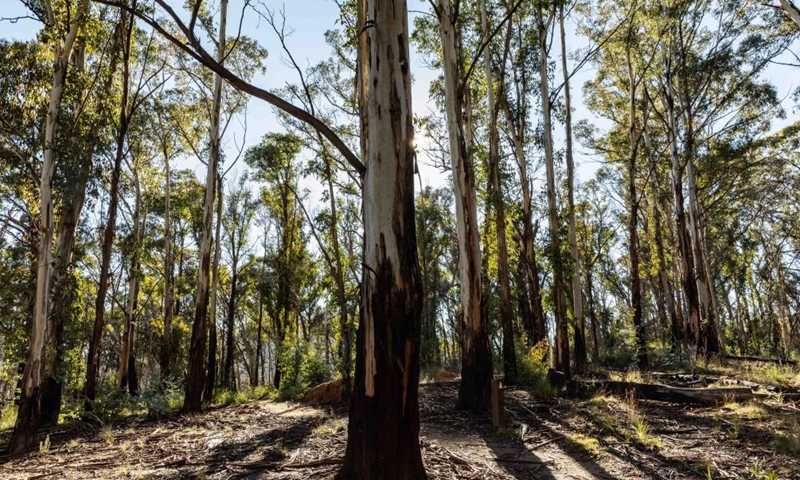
column 582, row 442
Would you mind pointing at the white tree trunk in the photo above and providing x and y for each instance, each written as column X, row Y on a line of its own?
column 577, row 293
column 562, row 342
column 384, row 411
column 28, row 417
column 196, row 376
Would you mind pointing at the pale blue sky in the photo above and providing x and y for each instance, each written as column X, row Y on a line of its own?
column 310, row 19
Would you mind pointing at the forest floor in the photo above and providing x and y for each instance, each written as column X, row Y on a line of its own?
column 548, row 438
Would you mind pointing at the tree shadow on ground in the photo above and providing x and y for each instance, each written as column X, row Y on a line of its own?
column 269, row 446
column 519, row 461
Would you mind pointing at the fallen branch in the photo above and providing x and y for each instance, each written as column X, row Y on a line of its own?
column 291, row 465
column 760, row 359
column 525, row 461
column 655, row 391
column 546, row 442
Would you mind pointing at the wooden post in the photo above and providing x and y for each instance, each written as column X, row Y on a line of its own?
column 498, row 404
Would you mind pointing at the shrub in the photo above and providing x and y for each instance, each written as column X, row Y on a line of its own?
column 8, row 417
column 532, row 368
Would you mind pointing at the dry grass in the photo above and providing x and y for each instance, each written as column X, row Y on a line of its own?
column 751, row 410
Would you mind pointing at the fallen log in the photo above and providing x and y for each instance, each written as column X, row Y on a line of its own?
column 745, row 358
column 664, row 393
column 695, row 379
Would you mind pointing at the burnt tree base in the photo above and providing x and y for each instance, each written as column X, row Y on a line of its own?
column 24, row 437
column 50, row 406
column 383, row 436
column 475, row 390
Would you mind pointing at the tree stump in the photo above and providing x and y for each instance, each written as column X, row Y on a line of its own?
column 498, row 404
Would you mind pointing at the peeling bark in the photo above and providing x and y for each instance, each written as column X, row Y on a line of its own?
column 383, row 434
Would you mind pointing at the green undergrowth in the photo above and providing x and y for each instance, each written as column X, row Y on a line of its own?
column 532, row 367
column 8, row 416
column 229, row 397
column 622, row 419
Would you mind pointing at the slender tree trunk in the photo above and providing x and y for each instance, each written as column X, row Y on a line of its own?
column 169, row 280
column 51, row 388
column 687, row 265
column 259, row 338
column 211, row 378
column 633, row 235
column 257, row 362
column 384, row 411
column 496, row 192
column 197, row 375
column 536, row 328
column 666, row 302
column 710, row 342
column 93, row 360
column 62, row 291
column 562, row 339
column 783, row 307
column 344, row 324
column 127, row 358
column 476, row 365
column 577, row 288
column 227, row 373
column 28, row 418
column 592, row 314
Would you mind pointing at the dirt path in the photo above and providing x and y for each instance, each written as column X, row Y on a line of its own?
column 547, row 439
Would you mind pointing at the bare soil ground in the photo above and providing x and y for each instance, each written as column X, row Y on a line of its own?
column 552, row 438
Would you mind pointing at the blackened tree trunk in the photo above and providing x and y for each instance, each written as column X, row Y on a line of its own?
column 227, row 372
column 383, row 434
column 535, row 329
column 211, row 377
column 127, row 375
column 687, row 264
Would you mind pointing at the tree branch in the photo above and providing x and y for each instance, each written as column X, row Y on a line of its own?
column 195, row 50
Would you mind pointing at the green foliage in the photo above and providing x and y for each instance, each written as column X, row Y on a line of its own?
column 225, row 397
column 532, row 367
column 620, row 357
column 303, row 368
column 8, row 416
column 164, row 403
